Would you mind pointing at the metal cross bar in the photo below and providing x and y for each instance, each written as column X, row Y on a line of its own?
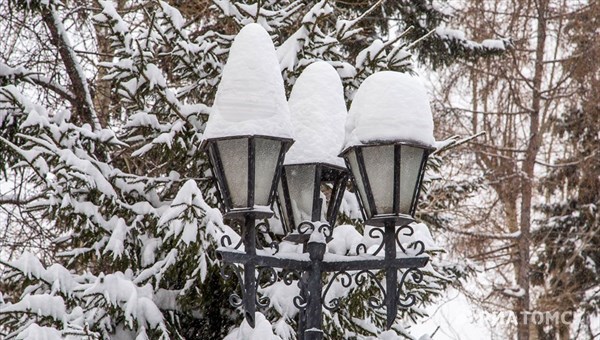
column 313, row 263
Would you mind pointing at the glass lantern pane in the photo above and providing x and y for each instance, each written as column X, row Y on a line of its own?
column 234, row 157
column 379, row 163
column 283, row 207
column 354, row 169
column 266, row 156
column 410, row 166
column 301, row 179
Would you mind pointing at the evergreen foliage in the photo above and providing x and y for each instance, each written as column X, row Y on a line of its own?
column 114, row 177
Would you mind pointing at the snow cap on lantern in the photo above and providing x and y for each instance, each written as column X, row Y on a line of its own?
column 318, row 112
column 250, row 98
column 390, row 106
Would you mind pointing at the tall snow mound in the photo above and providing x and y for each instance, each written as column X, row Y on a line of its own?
column 390, row 106
column 251, row 98
column 318, row 113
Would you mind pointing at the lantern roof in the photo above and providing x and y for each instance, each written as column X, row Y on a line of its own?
column 250, row 98
column 318, row 112
column 390, row 106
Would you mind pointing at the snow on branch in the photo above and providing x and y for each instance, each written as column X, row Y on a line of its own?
column 85, row 105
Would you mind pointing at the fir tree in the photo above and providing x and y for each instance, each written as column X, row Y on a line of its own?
column 115, row 187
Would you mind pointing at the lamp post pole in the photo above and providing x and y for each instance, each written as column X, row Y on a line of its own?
column 249, row 240
column 391, row 275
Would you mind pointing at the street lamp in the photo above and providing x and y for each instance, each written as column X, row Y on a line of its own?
column 247, row 170
column 388, row 177
column 389, row 135
column 314, row 178
column 387, row 141
column 246, row 137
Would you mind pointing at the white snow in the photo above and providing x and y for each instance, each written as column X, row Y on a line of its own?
column 6, row 71
column 345, row 239
column 173, row 14
column 262, row 330
column 116, row 243
column 136, row 301
column 36, row 332
column 493, row 43
column 281, row 297
column 42, row 305
column 317, row 237
column 450, row 33
column 390, row 106
column 29, row 265
column 251, row 98
column 318, row 112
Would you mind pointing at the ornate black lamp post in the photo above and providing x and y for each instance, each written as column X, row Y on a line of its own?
column 314, row 178
column 388, row 165
column 246, row 138
column 247, row 154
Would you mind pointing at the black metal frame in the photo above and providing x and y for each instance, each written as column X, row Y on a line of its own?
column 310, row 267
column 232, row 212
column 371, row 216
column 323, row 173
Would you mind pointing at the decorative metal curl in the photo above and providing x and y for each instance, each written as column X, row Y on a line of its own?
column 288, row 276
column 372, row 234
column 345, row 280
column 262, row 301
column 234, row 299
column 359, row 247
column 264, row 229
column 361, row 279
column 300, row 302
column 414, row 245
column 419, row 244
column 410, row 299
column 226, row 242
column 271, row 275
column 306, row 227
column 326, row 230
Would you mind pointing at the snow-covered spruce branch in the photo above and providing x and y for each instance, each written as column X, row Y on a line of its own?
column 79, row 82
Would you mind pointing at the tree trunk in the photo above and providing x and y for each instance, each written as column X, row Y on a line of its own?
column 523, row 306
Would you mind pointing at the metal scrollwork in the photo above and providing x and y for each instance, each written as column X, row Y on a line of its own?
column 345, row 280
column 306, row 227
column 372, row 234
column 269, row 273
column 234, row 299
column 290, row 276
column 361, row 248
column 361, row 279
column 263, row 301
column 419, row 244
column 267, row 276
column 263, row 229
column 226, row 242
column 300, row 301
column 409, row 231
column 326, row 230
column 409, row 299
